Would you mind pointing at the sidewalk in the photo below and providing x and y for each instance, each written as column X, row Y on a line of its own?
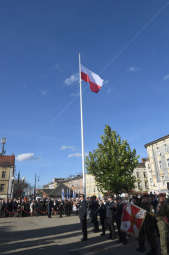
column 43, row 236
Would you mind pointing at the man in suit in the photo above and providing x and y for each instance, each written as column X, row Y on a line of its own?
column 83, row 216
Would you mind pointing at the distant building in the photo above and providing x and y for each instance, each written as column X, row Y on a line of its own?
column 142, row 177
column 158, row 165
column 91, row 187
column 7, row 168
column 74, row 184
column 70, row 187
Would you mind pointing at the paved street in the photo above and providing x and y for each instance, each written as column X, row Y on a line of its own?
column 43, row 236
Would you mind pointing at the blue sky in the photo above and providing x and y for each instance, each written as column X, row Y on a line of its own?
column 126, row 42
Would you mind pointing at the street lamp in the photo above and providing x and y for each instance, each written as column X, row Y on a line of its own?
column 3, row 142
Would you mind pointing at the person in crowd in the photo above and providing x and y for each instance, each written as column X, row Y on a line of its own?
column 118, row 215
column 93, row 207
column 148, row 229
column 102, row 214
column 83, row 216
column 32, row 208
column 75, row 208
column 110, row 217
column 50, row 206
column 60, row 208
column 162, row 215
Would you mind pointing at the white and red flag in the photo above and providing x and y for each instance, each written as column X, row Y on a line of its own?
column 132, row 219
column 95, row 81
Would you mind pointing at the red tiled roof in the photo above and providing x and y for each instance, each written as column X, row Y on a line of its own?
column 7, row 160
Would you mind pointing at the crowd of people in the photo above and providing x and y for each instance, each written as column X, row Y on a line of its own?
column 155, row 226
column 104, row 215
column 32, row 207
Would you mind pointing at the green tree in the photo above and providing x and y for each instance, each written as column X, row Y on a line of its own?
column 112, row 163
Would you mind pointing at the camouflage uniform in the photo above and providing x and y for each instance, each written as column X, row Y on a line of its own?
column 162, row 215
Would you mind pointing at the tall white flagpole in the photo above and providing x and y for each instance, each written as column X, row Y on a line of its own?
column 82, row 136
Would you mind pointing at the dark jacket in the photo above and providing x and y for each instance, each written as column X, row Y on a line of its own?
column 83, row 210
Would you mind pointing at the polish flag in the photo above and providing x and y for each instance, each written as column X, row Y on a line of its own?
column 95, row 81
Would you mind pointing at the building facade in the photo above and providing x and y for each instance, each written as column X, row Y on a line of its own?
column 158, row 165
column 142, row 177
column 91, row 187
column 7, row 168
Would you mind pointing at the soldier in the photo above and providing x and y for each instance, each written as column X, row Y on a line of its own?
column 110, row 217
column 102, row 214
column 162, row 214
column 50, row 206
column 122, row 235
column 148, row 229
column 60, row 208
column 83, row 216
column 93, row 207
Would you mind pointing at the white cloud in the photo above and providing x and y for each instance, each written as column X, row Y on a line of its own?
column 43, row 92
column 26, row 156
column 74, row 155
column 66, row 147
column 76, row 94
column 166, row 77
column 72, row 79
column 133, row 69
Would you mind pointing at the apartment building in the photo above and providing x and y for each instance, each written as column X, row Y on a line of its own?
column 91, row 187
column 7, row 167
column 142, row 177
column 158, row 163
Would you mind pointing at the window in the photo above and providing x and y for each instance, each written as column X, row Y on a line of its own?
column 166, row 147
column 160, row 164
column 137, row 174
column 168, row 162
column 144, row 173
column 2, row 187
column 146, row 185
column 3, row 174
column 139, row 186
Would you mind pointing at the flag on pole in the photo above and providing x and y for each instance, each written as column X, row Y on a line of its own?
column 74, row 194
column 132, row 219
column 95, row 81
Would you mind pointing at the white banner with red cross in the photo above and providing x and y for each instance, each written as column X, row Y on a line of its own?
column 132, row 219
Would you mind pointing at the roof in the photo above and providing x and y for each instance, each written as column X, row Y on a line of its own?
column 157, row 140
column 7, row 160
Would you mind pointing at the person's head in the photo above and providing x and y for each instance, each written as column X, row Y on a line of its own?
column 145, row 198
column 161, row 197
column 110, row 198
column 82, row 197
